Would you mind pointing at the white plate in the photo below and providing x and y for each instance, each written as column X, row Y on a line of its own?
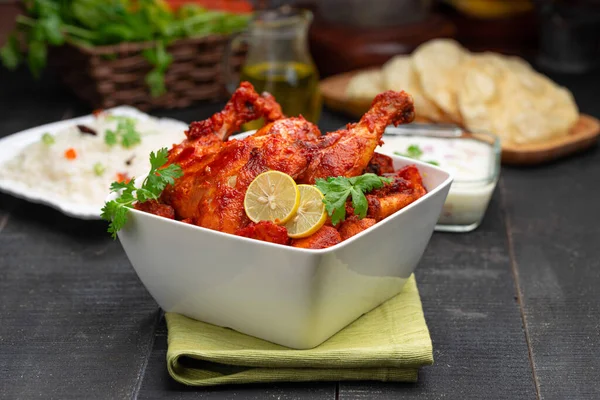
column 11, row 145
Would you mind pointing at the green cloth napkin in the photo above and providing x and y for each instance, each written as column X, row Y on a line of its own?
column 389, row 343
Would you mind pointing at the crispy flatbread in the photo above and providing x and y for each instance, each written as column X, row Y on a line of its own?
column 365, row 85
column 399, row 74
column 506, row 96
column 438, row 63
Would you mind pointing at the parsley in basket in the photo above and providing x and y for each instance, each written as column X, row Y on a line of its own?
column 115, row 211
column 89, row 23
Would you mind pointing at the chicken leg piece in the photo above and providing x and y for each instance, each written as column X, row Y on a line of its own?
column 347, row 152
column 406, row 187
column 205, row 139
column 244, row 106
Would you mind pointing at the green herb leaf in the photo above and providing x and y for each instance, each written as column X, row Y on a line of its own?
column 116, row 186
column 368, row 182
column 156, row 183
column 125, row 132
column 161, row 60
column 159, row 158
column 155, row 79
column 129, row 136
column 48, row 139
column 337, row 190
column 36, row 57
column 115, row 211
column 52, row 29
column 414, row 151
column 11, row 53
column 110, row 137
column 104, row 22
column 99, row 169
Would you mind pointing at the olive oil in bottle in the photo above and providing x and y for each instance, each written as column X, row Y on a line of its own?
column 294, row 85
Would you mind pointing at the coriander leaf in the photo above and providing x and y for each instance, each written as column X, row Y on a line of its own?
column 171, row 173
column 36, row 57
column 43, row 8
column 117, row 186
column 338, row 215
column 117, row 33
column 52, row 29
column 163, row 59
column 414, row 151
column 337, row 190
column 157, row 180
column 99, row 169
column 11, row 53
column 37, row 32
column 48, row 139
column 155, row 79
column 159, row 158
column 160, row 59
column 129, row 136
column 143, row 195
column 359, row 202
column 117, row 215
column 150, row 56
column 368, row 182
column 125, row 132
column 115, row 211
column 110, row 137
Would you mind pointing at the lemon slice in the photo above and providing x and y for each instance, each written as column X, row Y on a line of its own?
column 311, row 214
column 272, row 196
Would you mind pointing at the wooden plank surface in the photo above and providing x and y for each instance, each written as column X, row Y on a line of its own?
column 553, row 213
column 158, row 384
column 465, row 282
column 75, row 322
column 555, row 233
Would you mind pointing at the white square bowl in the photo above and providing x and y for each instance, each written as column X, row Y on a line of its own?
column 290, row 296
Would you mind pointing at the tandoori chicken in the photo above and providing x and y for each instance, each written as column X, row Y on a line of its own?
column 217, row 171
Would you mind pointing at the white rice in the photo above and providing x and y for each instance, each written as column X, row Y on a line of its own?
column 45, row 167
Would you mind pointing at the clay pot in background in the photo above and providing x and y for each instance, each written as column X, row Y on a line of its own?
column 354, row 34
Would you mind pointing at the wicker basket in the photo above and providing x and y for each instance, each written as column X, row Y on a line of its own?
column 107, row 76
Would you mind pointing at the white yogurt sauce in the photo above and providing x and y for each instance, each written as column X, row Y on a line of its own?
column 470, row 162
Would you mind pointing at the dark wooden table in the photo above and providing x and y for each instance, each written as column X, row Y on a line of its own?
column 513, row 308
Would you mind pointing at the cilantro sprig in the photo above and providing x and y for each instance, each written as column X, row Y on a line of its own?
column 115, row 211
column 414, row 151
column 337, row 190
column 125, row 132
column 89, row 23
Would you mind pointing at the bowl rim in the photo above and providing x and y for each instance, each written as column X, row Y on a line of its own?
column 445, row 183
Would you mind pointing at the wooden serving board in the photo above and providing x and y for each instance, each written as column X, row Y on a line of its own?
column 582, row 135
